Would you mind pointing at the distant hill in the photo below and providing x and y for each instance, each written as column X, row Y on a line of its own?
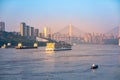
column 14, row 39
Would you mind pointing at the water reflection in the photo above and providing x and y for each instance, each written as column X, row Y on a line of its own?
column 50, row 53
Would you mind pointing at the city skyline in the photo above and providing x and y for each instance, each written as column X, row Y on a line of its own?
column 87, row 15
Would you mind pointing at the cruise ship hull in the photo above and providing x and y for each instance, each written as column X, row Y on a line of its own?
column 57, row 49
column 26, row 47
column 59, row 46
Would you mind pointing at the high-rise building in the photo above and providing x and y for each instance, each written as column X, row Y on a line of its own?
column 28, row 31
column 32, row 31
column 49, row 33
column 45, row 32
column 2, row 26
column 37, row 32
column 23, row 29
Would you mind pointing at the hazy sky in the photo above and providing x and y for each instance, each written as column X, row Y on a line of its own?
column 87, row 15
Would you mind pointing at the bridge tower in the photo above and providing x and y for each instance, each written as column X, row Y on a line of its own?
column 70, row 33
column 70, row 30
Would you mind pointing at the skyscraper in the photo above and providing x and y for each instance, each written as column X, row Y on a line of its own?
column 37, row 32
column 32, row 32
column 23, row 29
column 45, row 32
column 2, row 26
column 28, row 31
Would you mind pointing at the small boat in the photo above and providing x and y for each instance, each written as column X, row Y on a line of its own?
column 58, row 46
column 94, row 66
column 7, row 46
column 4, row 46
column 26, row 47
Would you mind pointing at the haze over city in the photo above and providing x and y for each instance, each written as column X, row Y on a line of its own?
column 87, row 15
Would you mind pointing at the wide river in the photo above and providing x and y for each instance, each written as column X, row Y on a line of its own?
column 36, row 64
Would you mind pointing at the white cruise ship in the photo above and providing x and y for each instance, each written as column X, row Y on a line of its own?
column 58, row 46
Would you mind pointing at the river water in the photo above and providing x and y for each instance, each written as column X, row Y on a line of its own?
column 36, row 64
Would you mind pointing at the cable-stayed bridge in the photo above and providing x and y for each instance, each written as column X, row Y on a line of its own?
column 72, row 34
column 70, row 30
column 114, row 31
column 68, row 33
